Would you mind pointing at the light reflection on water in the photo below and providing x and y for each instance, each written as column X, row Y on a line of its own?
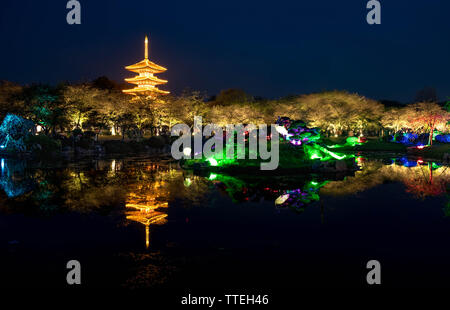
column 143, row 191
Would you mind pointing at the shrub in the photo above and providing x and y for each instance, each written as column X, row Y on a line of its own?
column 42, row 144
column 157, row 141
column 89, row 134
column 117, row 147
column 85, row 143
column 77, row 132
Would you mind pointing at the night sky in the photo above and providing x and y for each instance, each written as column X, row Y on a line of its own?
column 268, row 49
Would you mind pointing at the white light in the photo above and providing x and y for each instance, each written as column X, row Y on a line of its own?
column 282, row 130
column 280, row 200
column 187, row 151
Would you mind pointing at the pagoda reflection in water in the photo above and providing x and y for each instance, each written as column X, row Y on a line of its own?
column 147, row 202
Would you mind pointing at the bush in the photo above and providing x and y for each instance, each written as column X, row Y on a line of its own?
column 85, row 143
column 89, row 134
column 77, row 132
column 137, row 146
column 42, row 144
column 117, row 147
column 157, row 141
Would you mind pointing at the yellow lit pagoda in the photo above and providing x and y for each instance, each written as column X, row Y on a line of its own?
column 146, row 82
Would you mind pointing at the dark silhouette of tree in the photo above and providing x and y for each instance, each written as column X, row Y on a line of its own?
column 232, row 96
column 105, row 83
column 427, row 94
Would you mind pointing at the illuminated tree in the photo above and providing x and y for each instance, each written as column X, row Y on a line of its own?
column 427, row 117
column 80, row 100
column 337, row 111
column 235, row 114
column 395, row 119
column 10, row 101
column 183, row 108
column 109, row 109
column 44, row 106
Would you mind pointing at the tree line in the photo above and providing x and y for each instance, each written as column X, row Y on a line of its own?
column 101, row 106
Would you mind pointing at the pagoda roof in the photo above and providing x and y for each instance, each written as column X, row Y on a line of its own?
column 145, row 89
column 153, row 79
column 146, row 64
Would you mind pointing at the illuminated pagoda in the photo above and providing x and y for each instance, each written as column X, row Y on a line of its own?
column 146, row 81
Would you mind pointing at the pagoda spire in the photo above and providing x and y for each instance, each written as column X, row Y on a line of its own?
column 146, row 47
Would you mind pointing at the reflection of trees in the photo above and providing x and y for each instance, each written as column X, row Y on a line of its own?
column 363, row 180
column 98, row 186
column 421, row 180
column 13, row 180
column 91, row 190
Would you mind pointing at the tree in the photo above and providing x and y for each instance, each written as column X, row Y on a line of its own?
column 232, row 96
column 427, row 94
column 80, row 100
column 10, row 101
column 109, row 109
column 395, row 119
column 104, row 83
column 337, row 111
column 44, row 106
column 427, row 117
column 183, row 108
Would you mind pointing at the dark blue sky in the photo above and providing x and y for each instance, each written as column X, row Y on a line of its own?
column 270, row 49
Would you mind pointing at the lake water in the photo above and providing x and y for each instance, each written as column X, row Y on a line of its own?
column 142, row 222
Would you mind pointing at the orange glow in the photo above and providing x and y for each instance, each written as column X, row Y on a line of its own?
column 147, row 205
column 145, row 81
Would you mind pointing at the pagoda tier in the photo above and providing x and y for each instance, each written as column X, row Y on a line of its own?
column 146, row 81
column 146, row 65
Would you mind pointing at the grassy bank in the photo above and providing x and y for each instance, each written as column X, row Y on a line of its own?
column 436, row 151
column 372, row 145
column 292, row 160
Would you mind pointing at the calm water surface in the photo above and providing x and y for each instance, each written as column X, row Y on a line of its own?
column 141, row 222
